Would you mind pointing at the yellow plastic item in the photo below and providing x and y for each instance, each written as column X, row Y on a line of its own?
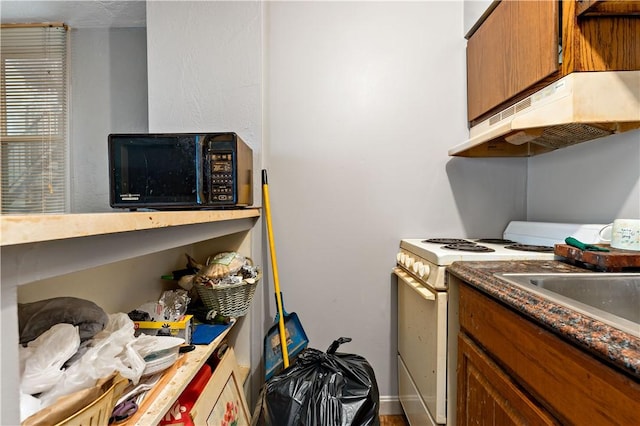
column 274, row 266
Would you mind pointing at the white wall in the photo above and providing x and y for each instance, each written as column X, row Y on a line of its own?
column 593, row 182
column 473, row 10
column 364, row 99
column 108, row 95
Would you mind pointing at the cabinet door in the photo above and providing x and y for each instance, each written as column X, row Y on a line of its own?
column 572, row 384
column 487, row 396
column 514, row 48
column 603, row 37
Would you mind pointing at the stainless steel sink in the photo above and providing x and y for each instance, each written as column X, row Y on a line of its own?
column 613, row 298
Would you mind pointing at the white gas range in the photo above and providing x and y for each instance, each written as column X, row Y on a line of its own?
column 428, row 307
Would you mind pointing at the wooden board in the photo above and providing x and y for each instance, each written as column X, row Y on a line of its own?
column 25, row 229
column 153, row 393
column 175, row 379
column 614, row 260
column 222, row 400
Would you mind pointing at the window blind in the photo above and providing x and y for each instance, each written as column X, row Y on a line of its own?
column 33, row 111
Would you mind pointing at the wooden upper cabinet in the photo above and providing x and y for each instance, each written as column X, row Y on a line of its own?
column 514, row 48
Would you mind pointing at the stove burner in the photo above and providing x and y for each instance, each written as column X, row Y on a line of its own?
column 468, row 247
column 447, row 241
column 495, row 241
column 528, row 247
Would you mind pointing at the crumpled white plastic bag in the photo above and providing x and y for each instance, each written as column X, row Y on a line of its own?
column 146, row 344
column 44, row 357
column 29, row 405
column 113, row 349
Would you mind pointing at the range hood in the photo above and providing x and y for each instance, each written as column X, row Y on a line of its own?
column 577, row 108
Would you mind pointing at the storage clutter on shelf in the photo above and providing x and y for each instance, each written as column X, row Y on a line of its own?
column 69, row 350
column 165, row 317
column 225, row 282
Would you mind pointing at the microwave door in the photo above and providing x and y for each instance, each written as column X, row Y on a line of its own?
column 156, row 172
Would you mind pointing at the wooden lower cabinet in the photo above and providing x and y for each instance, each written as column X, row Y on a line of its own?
column 488, row 396
column 512, row 371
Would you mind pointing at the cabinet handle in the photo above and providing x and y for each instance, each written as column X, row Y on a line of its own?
column 424, row 292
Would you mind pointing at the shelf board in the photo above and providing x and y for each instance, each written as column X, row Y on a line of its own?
column 24, row 229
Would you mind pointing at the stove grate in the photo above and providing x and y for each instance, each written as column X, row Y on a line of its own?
column 495, row 241
column 530, row 247
column 447, row 241
column 468, row 247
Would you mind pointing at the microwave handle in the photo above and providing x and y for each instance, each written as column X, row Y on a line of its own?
column 422, row 291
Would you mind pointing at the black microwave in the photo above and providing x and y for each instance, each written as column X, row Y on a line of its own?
column 180, row 171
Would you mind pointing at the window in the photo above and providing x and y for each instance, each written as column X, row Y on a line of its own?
column 33, row 114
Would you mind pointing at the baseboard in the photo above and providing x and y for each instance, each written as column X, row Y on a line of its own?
column 390, row 406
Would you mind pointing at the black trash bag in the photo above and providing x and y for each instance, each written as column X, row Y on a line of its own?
column 321, row 389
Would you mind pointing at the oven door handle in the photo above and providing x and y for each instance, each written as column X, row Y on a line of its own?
column 424, row 292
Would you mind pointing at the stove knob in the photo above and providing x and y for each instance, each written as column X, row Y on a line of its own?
column 400, row 257
column 421, row 269
column 408, row 261
column 424, row 270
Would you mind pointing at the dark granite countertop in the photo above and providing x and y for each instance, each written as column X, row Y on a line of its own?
column 619, row 348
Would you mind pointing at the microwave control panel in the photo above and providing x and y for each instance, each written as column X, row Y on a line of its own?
column 221, row 176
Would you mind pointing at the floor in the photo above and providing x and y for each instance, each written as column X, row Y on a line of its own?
column 393, row 421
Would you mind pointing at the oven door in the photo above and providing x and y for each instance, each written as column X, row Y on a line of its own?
column 422, row 350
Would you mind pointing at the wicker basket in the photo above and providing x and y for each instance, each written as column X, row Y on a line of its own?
column 232, row 300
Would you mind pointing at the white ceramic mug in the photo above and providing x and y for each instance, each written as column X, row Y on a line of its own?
column 625, row 234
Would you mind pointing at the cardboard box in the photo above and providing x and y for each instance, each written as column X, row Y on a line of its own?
column 166, row 328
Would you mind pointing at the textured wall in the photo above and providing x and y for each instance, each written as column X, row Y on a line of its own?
column 108, row 95
column 592, row 182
